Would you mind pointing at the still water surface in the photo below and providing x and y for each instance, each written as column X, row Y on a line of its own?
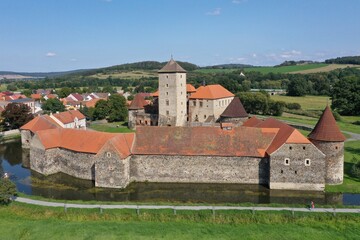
column 15, row 161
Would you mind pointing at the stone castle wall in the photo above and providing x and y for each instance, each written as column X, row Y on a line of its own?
column 334, row 160
column 298, row 167
column 26, row 136
column 199, row 169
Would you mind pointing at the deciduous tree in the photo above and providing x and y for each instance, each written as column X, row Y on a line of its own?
column 15, row 115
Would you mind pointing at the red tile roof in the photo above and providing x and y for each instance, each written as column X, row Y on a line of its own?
column 92, row 102
column 77, row 96
column 205, row 141
column 155, row 94
column 190, row 88
column 86, row 141
column 235, row 110
column 251, row 122
column 211, row 92
column 36, row 96
column 39, row 123
column 172, row 67
column 69, row 116
column 326, row 128
column 138, row 102
column 286, row 134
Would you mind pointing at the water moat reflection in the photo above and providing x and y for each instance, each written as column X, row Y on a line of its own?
column 15, row 161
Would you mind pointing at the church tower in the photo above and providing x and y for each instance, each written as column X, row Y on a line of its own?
column 327, row 137
column 172, row 95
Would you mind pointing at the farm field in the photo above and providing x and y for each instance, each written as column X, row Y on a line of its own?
column 306, row 102
column 20, row 221
column 303, row 69
column 126, row 74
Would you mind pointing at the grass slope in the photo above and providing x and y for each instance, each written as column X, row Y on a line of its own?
column 30, row 222
column 114, row 127
column 303, row 69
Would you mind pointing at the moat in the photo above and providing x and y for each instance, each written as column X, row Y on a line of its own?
column 15, row 161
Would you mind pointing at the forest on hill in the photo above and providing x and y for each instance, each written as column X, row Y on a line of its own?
column 344, row 60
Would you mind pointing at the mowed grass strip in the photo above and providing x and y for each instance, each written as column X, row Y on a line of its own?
column 307, row 102
column 20, row 221
column 114, row 127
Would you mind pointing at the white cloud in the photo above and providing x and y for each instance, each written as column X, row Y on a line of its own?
column 254, row 55
column 50, row 54
column 215, row 12
column 73, row 60
column 238, row 1
column 290, row 54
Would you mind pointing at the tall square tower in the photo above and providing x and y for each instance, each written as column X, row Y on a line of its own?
column 172, row 95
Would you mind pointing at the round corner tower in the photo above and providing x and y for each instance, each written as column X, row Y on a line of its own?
column 326, row 136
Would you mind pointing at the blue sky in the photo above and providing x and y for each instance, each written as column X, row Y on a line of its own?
column 57, row 35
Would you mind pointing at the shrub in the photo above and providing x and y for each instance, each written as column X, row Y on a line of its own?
column 337, row 116
column 293, row 106
column 355, row 169
column 7, row 190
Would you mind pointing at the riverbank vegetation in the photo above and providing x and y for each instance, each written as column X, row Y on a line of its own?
column 21, row 221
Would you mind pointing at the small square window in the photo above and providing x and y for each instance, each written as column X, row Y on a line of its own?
column 167, row 113
column 287, row 161
column 307, row 162
column 204, row 116
column 290, row 148
column 108, row 154
column 201, row 104
column 167, row 103
column 304, row 147
column 167, row 85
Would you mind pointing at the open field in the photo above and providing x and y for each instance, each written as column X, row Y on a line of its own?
column 327, row 68
column 127, row 75
column 114, row 127
column 20, row 221
column 306, row 102
column 303, row 69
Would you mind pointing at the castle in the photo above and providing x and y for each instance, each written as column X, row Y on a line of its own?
column 177, row 103
column 254, row 151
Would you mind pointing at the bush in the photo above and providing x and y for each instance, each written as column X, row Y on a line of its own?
column 293, row 106
column 7, row 190
column 356, row 123
column 355, row 169
column 337, row 116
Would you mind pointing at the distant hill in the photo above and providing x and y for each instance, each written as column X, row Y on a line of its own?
column 344, row 60
column 32, row 75
column 228, row 66
column 294, row 63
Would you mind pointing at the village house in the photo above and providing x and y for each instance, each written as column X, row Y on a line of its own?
column 26, row 101
column 69, row 119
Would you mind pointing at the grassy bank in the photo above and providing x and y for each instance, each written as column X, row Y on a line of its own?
column 114, row 127
column 20, row 221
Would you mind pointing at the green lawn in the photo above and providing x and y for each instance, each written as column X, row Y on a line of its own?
column 114, row 127
column 307, row 102
column 284, row 69
column 20, row 221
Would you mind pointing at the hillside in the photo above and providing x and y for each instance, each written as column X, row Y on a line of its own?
column 345, row 60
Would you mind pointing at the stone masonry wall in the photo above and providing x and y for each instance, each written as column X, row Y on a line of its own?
column 334, row 160
column 26, row 136
column 199, row 169
column 297, row 167
column 111, row 171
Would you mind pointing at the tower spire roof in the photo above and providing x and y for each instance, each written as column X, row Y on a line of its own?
column 326, row 128
column 172, row 67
